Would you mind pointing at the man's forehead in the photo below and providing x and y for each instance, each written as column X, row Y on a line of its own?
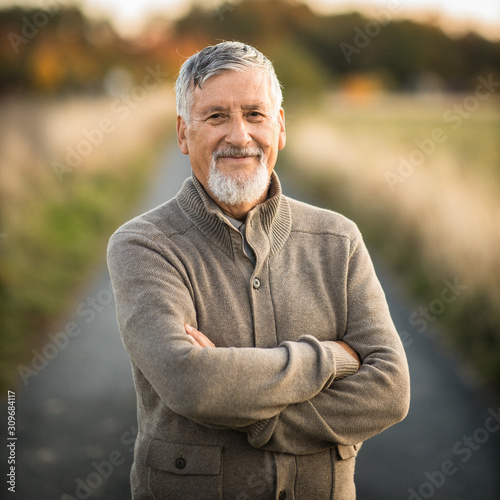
column 246, row 89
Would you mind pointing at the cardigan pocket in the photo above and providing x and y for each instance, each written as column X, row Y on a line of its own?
column 184, row 472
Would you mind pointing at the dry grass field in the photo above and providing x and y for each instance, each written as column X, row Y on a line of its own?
column 70, row 172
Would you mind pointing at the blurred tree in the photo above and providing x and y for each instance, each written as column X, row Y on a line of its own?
column 57, row 50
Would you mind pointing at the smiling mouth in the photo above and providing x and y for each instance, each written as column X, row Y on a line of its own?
column 238, row 157
column 239, row 161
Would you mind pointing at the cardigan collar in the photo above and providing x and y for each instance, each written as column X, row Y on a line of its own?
column 273, row 217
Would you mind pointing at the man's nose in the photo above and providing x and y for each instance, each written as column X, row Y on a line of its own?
column 238, row 133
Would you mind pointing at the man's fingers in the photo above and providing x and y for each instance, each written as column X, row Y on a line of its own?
column 200, row 339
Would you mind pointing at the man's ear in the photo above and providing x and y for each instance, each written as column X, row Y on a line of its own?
column 181, row 134
column 282, row 133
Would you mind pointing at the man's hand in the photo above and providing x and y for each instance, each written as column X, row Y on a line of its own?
column 350, row 350
column 200, row 340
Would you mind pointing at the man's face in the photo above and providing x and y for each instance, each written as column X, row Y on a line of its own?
column 234, row 127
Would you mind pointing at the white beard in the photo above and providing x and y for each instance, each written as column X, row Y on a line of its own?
column 236, row 188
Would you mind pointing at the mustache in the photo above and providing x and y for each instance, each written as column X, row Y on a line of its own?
column 235, row 151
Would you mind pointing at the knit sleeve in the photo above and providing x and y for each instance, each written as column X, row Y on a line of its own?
column 229, row 387
column 357, row 407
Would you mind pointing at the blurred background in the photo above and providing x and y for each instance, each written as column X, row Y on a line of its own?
column 393, row 119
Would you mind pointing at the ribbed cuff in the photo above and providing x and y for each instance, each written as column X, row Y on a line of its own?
column 345, row 364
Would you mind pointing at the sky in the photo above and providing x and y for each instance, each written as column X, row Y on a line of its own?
column 456, row 15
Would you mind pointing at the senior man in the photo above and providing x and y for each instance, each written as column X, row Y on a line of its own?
column 262, row 347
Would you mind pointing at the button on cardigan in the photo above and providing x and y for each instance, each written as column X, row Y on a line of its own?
column 277, row 407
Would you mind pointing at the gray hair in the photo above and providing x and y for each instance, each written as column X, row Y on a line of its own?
column 214, row 60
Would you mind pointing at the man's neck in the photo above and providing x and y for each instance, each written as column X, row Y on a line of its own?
column 240, row 212
column 236, row 212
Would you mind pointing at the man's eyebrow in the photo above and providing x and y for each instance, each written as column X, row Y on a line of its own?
column 213, row 109
column 250, row 107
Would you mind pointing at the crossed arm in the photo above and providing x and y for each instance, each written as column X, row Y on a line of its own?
column 307, row 427
column 201, row 340
column 292, row 436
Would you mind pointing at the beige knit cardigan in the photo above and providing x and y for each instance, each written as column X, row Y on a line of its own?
column 277, row 410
